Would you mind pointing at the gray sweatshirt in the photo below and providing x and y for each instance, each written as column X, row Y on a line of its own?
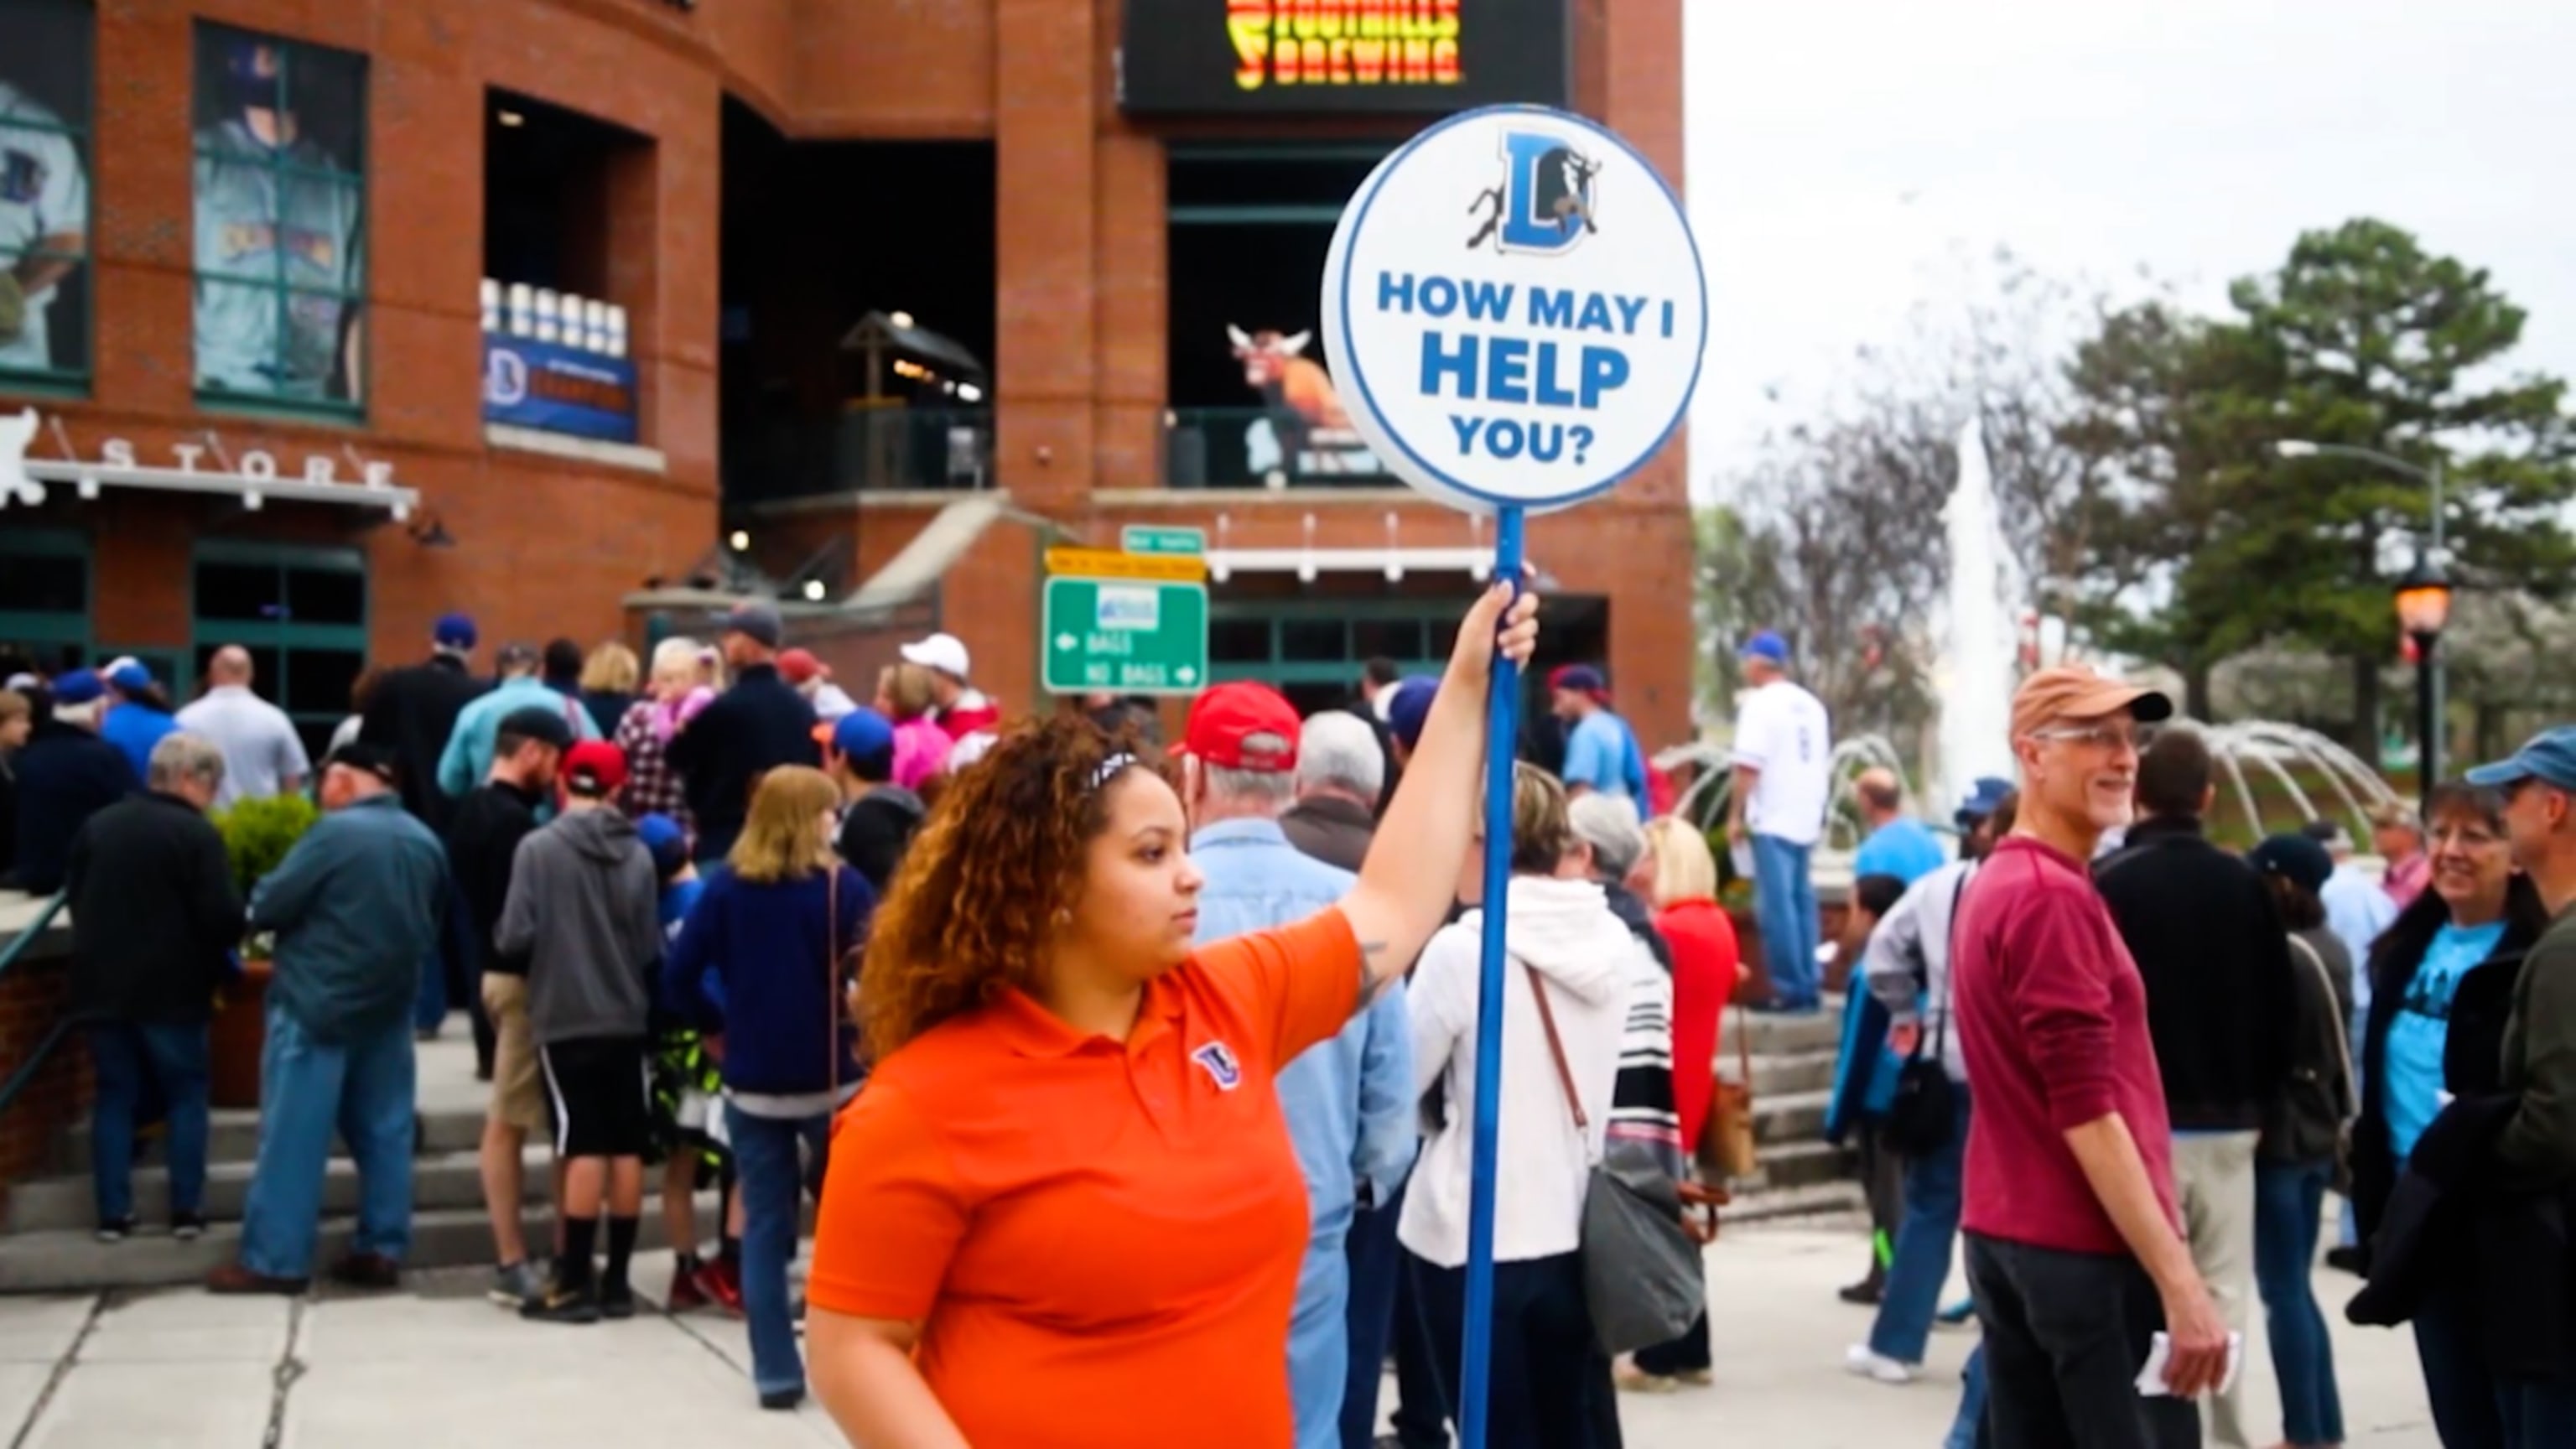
column 583, row 905
column 1911, row 944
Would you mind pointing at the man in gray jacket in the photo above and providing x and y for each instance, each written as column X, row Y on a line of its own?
column 582, row 908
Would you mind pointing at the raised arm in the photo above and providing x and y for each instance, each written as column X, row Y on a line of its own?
column 1411, row 874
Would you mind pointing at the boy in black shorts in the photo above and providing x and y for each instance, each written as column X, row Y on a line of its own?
column 582, row 907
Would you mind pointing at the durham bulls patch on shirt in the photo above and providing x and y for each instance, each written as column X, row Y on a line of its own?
column 1221, row 1065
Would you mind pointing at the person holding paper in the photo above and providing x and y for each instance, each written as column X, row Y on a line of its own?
column 1066, row 1209
column 2075, row 1255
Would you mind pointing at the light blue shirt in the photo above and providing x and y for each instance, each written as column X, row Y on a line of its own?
column 2423, row 1024
column 2357, row 911
column 468, row 756
column 1348, row 1100
column 1904, row 848
column 1601, row 753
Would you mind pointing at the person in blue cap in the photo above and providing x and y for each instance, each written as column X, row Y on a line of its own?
column 1784, row 751
column 413, row 710
column 878, row 816
column 66, row 774
column 688, row 1087
column 1601, row 754
column 137, row 714
column 1405, row 712
column 2494, row 1377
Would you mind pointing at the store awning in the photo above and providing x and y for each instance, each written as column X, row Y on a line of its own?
column 254, row 478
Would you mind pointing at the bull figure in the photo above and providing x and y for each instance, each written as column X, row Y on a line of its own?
column 1287, row 381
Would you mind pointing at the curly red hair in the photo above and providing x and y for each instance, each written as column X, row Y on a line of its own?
column 970, row 909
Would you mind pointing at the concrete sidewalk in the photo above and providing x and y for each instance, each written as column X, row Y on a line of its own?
column 437, row 1365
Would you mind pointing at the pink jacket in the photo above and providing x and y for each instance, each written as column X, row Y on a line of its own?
column 920, row 751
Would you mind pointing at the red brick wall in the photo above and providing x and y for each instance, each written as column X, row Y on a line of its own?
column 548, row 547
column 32, row 996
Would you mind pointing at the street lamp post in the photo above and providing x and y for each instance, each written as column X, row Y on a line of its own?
column 2432, row 705
column 2423, row 608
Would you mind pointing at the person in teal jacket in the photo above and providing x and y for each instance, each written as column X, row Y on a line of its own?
column 468, row 756
column 355, row 908
column 1865, row 1083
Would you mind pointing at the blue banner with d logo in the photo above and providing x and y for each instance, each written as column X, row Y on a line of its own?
column 532, row 384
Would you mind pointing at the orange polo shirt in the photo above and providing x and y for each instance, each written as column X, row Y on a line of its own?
column 1101, row 1239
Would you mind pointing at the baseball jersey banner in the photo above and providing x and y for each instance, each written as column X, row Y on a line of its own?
column 44, row 208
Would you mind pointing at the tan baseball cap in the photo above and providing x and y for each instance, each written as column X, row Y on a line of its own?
column 2075, row 692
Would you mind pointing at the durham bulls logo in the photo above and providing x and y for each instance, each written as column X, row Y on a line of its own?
column 1546, row 202
column 1221, row 1066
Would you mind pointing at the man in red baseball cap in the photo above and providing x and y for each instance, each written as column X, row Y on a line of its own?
column 584, row 908
column 1348, row 1101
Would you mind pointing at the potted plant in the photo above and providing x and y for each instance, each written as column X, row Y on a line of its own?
column 257, row 835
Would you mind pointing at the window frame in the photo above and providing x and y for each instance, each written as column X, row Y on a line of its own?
column 53, row 381
column 54, row 629
column 283, row 292
column 285, row 637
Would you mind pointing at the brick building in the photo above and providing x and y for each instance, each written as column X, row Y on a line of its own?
column 577, row 314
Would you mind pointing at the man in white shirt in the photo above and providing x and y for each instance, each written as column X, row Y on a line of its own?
column 1783, row 776
column 44, row 225
column 263, row 755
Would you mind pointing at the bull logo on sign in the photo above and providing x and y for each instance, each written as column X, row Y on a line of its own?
column 1304, row 426
column 1547, row 202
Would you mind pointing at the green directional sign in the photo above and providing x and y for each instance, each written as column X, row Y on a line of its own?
column 1128, row 636
column 1156, row 538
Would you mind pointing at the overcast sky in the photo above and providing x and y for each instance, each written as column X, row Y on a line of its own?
column 1842, row 154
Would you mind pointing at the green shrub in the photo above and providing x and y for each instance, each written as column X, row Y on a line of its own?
column 258, row 834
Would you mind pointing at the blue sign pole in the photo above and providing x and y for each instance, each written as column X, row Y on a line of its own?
column 1502, row 732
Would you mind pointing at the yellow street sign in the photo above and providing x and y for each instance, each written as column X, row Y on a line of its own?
column 1101, row 563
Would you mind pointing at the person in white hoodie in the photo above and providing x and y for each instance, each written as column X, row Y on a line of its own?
column 1550, row 1382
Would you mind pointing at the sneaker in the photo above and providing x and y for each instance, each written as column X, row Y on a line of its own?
column 372, row 1271
column 722, row 1285
column 1959, row 1312
column 781, row 1400
column 515, row 1285
column 617, row 1300
column 559, row 1304
column 1632, row 1380
column 187, row 1227
column 1863, row 1362
column 116, row 1230
column 1864, row 1293
column 685, row 1295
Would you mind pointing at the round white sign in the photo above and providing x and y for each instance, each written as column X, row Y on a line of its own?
column 1513, row 308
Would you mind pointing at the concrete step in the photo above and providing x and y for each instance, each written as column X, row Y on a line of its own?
column 1766, row 1034
column 1799, row 1164
column 1782, row 1076
column 233, row 1136
column 1789, row 1117
column 73, row 1261
column 438, row 1180
column 1781, row 1205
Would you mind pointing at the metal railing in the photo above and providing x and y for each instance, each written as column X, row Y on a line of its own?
column 865, row 449
column 1264, row 448
column 25, row 1074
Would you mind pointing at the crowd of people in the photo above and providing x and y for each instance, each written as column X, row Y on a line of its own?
column 979, row 991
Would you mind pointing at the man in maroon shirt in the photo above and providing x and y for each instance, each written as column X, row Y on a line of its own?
column 2073, row 1250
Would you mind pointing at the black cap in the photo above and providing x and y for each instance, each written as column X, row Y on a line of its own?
column 536, row 722
column 369, row 759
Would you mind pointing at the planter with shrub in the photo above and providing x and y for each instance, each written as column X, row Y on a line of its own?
column 257, row 835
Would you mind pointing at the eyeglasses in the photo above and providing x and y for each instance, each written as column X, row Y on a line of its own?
column 2465, row 837
column 2100, row 735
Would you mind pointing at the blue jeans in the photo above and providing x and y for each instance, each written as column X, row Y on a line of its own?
column 766, row 1162
column 364, row 1090
column 1968, row 1430
column 1376, row 1265
column 141, row 1065
column 1930, row 1227
column 2473, row 1407
column 2289, row 1203
column 1784, row 903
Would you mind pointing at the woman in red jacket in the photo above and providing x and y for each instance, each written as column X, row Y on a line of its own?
column 1705, row 962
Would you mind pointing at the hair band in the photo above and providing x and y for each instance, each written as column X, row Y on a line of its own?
column 1108, row 769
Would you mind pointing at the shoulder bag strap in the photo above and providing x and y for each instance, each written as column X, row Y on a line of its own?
column 1950, row 962
column 1556, row 1048
column 832, row 975
column 2347, row 1099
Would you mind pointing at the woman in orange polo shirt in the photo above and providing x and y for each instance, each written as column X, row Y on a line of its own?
column 1065, row 1211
